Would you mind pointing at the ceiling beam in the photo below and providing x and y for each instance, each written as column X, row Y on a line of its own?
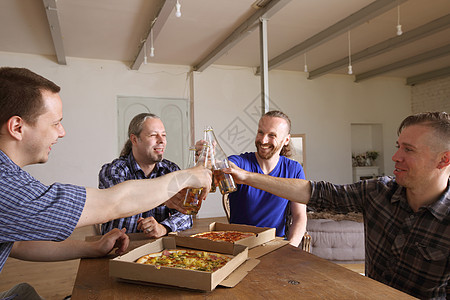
column 432, row 54
column 157, row 24
column 239, row 33
column 385, row 46
column 55, row 29
column 365, row 14
column 428, row 76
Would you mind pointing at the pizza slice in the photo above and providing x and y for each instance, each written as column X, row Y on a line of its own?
column 186, row 259
column 227, row 235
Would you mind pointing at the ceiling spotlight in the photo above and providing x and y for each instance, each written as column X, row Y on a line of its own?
column 399, row 30
column 399, row 27
column 305, row 68
column 152, row 49
column 178, row 9
column 350, row 68
column 145, row 52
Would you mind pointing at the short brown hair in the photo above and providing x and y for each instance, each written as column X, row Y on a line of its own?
column 21, row 94
column 287, row 149
column 438, row 121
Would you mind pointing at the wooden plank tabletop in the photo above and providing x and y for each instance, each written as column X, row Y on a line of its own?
column 287, row 272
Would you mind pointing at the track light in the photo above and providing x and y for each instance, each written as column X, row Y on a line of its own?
column 399, row 27
column 350, row 68
column 305, row 69
column 178, row 9
column 152, row 49
column 145, row 52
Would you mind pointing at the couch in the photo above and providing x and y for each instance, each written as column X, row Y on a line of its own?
column 337, row 237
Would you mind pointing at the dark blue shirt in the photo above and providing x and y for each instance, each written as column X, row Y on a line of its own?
column 256, row 207
column 30, row 210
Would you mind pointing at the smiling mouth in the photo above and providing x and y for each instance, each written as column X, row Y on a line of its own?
column 397, row 170
column 265, row 147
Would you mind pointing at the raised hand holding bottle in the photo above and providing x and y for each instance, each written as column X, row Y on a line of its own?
column 192, row 202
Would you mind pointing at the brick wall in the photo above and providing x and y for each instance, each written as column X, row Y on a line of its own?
column 431, row 96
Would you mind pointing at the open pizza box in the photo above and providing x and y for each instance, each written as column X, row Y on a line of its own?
column 125, row 268
column 262, row 236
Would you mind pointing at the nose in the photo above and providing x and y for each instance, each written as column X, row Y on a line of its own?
column 62, row 132
column 396, row 157
column 161, row 138
column 265, row 139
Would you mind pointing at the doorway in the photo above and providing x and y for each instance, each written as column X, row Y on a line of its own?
column 174, row 113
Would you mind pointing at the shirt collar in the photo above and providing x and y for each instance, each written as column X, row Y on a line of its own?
column 440, row 208
column 135, row 168
column 5, row 159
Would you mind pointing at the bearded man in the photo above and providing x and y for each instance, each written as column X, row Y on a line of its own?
column 256, row 207
column 142, row 158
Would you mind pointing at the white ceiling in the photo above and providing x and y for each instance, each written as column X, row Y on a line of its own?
column 115, row 29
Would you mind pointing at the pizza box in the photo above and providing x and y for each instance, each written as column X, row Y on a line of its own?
column 263, row 235
column 125, row 267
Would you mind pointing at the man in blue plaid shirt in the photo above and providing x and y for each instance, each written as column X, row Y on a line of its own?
column 36, row 219
column 141, row 158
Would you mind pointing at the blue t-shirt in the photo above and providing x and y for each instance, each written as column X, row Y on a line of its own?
column 30, row 210
column 256, row 207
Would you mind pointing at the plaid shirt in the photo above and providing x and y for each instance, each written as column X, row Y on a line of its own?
column 406, row 250
column 30, row 210
column 126, row 168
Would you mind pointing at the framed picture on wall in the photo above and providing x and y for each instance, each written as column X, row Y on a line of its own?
column 298, row 145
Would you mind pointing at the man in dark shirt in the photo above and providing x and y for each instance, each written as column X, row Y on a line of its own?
column 142, row 158
column 406, row 218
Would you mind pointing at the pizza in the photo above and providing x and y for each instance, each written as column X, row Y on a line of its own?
column 186, row 259
column 226, row 236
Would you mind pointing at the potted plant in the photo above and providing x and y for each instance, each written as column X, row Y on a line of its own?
column 372, row 156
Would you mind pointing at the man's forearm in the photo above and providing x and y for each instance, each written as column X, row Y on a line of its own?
column 297, row 190
column 135, row 196
column 298, row 226
column 52, row 251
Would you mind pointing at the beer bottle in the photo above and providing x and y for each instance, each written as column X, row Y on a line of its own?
column 210, row 162
column 219, row 162
column 192, row 203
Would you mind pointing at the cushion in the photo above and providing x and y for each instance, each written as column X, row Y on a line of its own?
column 337, row 239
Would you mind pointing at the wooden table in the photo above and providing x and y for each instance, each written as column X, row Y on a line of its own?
column 287, row 272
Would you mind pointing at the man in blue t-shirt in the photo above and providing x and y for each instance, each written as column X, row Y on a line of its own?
column 256, row 207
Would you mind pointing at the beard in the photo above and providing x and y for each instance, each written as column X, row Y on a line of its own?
column 266, row 154
column 158, row 158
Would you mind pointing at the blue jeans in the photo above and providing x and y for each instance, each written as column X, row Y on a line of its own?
column 20, row 291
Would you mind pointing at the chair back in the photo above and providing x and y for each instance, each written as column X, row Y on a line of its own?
column 226, row 206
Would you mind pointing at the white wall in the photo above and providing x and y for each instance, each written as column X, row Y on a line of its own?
column 322, row 108
column 89, row 90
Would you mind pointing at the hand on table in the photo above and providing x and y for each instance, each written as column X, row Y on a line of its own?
column 114, row 239
column 151, row 227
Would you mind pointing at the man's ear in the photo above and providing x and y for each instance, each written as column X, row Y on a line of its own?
column 14, row 126
column 288, row 138
column 445, row 160
column 133, row 139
